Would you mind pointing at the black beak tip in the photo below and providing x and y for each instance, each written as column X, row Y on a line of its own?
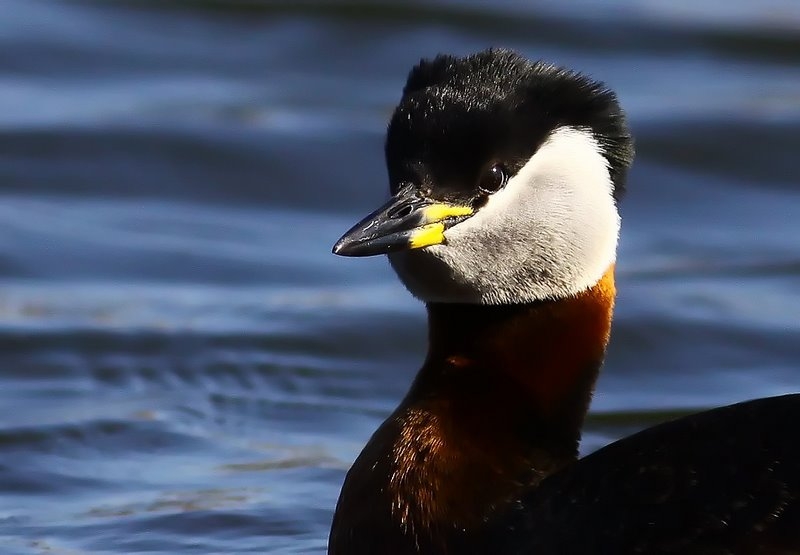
column 346, row 247
column 339, row 247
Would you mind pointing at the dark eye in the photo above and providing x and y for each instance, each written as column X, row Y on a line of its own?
column 493, row 179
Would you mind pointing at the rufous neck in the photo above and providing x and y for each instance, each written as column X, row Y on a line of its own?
column 497, row 406
column 549, row 352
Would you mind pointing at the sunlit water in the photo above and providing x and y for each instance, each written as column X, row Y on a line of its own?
column 184, row 366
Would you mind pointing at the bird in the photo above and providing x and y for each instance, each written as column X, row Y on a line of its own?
column 505, row 176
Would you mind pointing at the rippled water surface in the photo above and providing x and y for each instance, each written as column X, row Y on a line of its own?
column 184, row 367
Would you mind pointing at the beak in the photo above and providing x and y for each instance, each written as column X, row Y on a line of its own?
column 407, row 221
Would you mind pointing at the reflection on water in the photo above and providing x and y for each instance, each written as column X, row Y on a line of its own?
column 186, row 368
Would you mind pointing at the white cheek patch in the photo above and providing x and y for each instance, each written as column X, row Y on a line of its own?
column 551, row 232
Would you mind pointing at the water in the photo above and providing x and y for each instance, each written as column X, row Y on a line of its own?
column 184, row 366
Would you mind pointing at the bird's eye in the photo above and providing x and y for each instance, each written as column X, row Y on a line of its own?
column 493, row 179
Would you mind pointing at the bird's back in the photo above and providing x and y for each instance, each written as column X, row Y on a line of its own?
column 726, row 481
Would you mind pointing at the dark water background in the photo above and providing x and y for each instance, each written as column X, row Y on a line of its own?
column 184, row 367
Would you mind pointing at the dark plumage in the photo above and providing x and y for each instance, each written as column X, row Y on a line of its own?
column 725, row 481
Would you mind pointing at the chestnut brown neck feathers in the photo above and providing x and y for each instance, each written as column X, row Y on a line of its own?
column 497, row 406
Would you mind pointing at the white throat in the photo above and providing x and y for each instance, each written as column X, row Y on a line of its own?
column 550, row 233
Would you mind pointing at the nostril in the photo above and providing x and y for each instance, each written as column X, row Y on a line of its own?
column 401, row 212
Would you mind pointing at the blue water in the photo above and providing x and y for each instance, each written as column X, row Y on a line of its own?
column 184, row 366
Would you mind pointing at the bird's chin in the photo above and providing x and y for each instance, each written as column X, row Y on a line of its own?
column 428, row 277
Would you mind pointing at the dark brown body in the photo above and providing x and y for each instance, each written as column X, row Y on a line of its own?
column 722, row 482
column 481, row 455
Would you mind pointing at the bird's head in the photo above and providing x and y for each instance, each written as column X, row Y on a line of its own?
column 504, row 175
